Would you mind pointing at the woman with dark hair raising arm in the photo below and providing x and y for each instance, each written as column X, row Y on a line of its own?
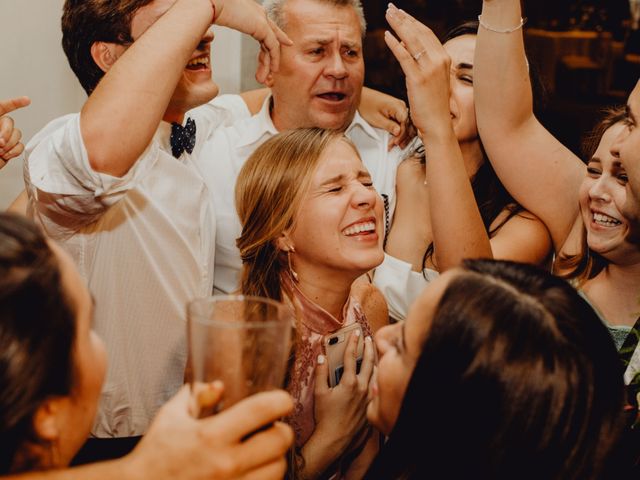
column 450, row 203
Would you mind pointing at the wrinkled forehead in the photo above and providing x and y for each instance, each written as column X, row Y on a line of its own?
column 340, row 158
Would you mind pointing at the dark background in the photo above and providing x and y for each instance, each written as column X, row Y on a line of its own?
column 601, row 75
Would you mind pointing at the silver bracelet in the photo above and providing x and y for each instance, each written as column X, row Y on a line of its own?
column 506, row 30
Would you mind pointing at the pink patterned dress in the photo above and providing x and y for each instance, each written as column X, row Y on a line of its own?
column 313, row 324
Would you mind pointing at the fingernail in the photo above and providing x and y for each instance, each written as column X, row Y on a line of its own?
column 391, row 6
column 358, row 333
column 368, row 339
column 320, row 359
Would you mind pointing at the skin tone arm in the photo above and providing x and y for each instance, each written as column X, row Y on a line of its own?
column 456, row 226
column 10, row 145
column 379, row 109
column 20, row 204
column 458, row 231
column 541, row 174
column 372, row 301
column 179, row 446
column 131, row 84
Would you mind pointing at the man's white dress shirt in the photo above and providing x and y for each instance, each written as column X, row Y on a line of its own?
column 231, row 146
column 144, row 243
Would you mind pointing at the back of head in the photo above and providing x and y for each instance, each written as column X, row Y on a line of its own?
column 269, row 190
column 518, row 378
column 37, row 330
column 85, row 22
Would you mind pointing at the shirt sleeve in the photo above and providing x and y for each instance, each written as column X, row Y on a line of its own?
column 62, row 186
column 400, row 285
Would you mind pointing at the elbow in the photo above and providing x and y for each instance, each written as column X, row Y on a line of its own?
column 103, row 153
column 105, row 157
column 102, row 162
column 98, row 161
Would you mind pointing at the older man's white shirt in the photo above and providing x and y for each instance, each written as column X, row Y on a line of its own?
column 230, row 147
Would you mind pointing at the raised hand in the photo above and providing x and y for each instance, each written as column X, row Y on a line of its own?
column 10, row 145
column 426, row 66
column 388, row 113
column 249, row 17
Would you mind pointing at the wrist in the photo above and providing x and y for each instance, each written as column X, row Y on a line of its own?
column 318, row 455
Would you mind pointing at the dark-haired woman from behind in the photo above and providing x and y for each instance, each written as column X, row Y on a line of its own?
column 452, row 206
column 52, row 368
column 500, row 371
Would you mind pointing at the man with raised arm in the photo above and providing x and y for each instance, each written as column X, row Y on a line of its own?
column 319, row 84
column 118, row 185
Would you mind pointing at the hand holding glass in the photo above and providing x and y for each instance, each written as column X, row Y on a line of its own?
column 242, row 341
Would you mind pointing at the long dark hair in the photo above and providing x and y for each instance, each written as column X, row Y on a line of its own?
column 586, row 264
column 37, row 332
column 489, row 193
column 517, row 378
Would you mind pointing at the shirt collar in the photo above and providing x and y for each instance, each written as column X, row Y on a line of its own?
column 361, row 124
column 163, row 136
column 258, row 126
column 261, row 124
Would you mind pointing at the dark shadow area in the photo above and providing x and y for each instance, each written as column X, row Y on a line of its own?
column 587, row 53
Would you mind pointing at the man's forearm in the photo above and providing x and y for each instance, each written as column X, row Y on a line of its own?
column 123, row 113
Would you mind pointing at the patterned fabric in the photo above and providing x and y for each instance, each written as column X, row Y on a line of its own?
column 313, row 324
column 183, row 138
column 387, row 220
column 630, row 356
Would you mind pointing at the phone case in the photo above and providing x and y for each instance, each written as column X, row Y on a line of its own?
column 334, row 346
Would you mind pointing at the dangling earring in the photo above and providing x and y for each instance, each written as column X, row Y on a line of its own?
column 293, row 273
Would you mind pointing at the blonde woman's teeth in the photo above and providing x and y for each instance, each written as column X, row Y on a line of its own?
column 366, row 227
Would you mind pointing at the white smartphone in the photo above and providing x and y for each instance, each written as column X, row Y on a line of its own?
column 334, row 346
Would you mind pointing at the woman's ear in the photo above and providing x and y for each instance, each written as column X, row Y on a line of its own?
column 105, row 54
column 47, row 421
column 284, row 243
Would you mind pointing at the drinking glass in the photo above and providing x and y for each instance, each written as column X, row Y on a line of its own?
column 240, row 340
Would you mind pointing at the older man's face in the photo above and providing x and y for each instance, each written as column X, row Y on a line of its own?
column 627, row 149
column 321, row 74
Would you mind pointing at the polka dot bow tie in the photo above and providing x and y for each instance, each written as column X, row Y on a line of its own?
column 183, row 138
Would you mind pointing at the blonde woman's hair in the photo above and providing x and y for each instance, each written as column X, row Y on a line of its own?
column 269, row 190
